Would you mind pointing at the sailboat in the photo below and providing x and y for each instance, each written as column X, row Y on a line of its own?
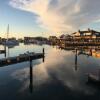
column 10, row 42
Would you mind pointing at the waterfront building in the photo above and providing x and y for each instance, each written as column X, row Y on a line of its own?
column 29, row 39
column 36, row 40
column 89, row 35
column 53, row 40
column 63, row 39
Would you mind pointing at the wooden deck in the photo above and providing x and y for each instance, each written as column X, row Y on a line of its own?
column 21, row 58
column 2, row 51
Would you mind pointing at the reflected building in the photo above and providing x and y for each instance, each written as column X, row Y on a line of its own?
column 94, row 52
column 87, row 52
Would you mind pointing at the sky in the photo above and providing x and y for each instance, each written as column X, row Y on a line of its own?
column 48, row 17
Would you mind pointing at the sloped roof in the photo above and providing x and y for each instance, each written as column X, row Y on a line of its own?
column 93, row 32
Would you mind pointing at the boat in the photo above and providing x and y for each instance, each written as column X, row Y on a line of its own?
column 94, row 79
column 10, row 42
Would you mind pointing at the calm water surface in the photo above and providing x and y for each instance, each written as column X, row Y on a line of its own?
column 63, row 76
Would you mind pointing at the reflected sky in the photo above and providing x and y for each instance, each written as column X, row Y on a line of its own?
column 62, row 76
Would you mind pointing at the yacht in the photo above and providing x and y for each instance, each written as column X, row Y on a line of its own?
column 10, row 42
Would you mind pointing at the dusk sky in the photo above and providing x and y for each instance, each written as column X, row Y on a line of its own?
column 48, row 17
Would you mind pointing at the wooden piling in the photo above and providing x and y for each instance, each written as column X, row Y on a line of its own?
column 43, row 54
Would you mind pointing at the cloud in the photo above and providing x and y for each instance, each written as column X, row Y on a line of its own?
column 61, row 15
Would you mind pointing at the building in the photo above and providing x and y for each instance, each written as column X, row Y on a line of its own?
column 89, row 35
column 28, row 39
column 53, row 40
column 63, row 39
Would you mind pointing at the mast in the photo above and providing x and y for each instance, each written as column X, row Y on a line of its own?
column 8, row 32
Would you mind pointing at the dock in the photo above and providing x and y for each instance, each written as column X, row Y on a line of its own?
column 29, row 56
column 2, row 51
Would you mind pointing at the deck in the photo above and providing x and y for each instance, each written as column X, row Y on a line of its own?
column 21, row 58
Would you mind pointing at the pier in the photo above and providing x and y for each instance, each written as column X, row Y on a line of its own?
column 2, row 51
column 29, row 56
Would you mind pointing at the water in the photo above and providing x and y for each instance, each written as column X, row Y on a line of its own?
column 63, row 76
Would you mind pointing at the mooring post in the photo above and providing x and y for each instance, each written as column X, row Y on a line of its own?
column 31, row 76
column 5, row 50
column 43, row 51
column 43, row 54
column 76, row 60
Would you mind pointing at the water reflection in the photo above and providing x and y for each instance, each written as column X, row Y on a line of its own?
column 90, row 51
column 62, row 76
column 31, row 78
column 76, row 60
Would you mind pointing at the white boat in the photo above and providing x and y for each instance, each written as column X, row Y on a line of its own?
column 11, row 42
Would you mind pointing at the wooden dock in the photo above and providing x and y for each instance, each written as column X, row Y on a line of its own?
column 29, row 56
column 2, row 51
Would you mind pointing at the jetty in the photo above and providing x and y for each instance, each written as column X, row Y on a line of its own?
column 2, row 51
column 29, row 56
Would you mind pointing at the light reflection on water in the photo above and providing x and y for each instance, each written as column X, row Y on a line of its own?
column 62, row 76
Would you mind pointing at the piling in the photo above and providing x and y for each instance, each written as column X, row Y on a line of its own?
column 43, row 54
column 31, row 77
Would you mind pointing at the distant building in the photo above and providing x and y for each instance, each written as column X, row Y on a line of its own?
column 53, row 40
column 65, row 37
column 29, row 39
column 20, row 40
column 86, row 35
column 13, row 38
